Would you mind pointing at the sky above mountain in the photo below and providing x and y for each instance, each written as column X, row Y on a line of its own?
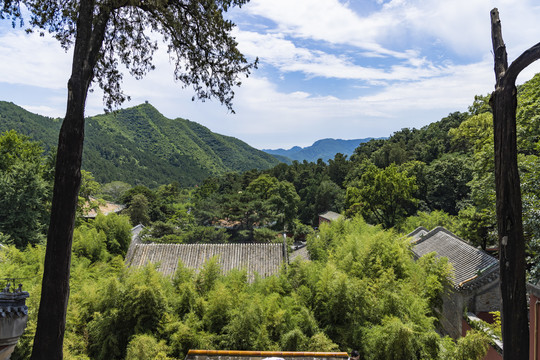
column 328, row 68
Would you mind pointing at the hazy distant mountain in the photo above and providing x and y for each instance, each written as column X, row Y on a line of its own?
column 321, row 149
column 139, row 145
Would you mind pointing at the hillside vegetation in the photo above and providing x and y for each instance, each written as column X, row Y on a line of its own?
column 362, row 290
column 139, row 145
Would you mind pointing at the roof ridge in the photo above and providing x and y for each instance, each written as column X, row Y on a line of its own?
column 438, row 229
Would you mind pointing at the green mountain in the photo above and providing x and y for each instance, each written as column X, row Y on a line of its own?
column 321, row 149
column 139, row 145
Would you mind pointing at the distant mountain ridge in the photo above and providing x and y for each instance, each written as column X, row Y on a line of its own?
column 321, row 149
column 139, row 145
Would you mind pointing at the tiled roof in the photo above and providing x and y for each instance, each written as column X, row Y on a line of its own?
column 418, row 233
column 263, row 355
column 104, row 209
column 300, row 252
column 472, row 266
column 264, row 259
column 135, row 231
column 330, row 215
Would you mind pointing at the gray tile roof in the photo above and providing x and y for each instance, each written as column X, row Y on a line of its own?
column 330, row 215
column 418, row 233
column 472, row 266
column 264, row 259
column 301, row 253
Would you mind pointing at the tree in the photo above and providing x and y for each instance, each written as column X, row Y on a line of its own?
column 89, row 186
column 381, row 195
column 448, row 178
column 105, row 33
column 113, row 191
column 338, row 168
column 138, row 210
column 24, row 192
column 508, row 204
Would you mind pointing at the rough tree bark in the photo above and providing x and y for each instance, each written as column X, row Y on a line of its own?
column 55, row 287
column 509, row 209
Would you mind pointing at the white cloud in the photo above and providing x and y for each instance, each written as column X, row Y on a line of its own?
column 287, row 57
column 326, row 20
column 33, row 60
column 462, row 26
column 402, row 83
column 42, row 110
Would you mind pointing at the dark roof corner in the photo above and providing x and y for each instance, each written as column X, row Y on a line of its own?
column 417, row 233
column 472, row 267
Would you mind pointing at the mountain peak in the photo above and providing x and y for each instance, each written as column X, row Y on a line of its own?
column 321, row 149
column 139, row 145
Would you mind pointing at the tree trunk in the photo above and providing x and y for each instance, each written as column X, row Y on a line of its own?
column 48, row 341
column 510, row 228
column 503, row 101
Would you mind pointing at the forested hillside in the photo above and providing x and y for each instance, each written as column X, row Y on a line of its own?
column 140, row 146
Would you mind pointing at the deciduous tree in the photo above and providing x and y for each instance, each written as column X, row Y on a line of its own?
column 24, row 192
column 381, row 195
column 105, row 33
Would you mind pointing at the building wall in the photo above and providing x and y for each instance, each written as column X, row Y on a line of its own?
column 481, row 300
column 323, row 220
column 451, row 314
column 534, row 327
column 486, row 298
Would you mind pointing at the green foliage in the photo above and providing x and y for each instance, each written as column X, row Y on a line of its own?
column 90, row 243
column 317, row 192
column 381, row 195
column 363, row 291
column 425, row 144
column 135, row 305
column 146, row 347
column 477, row 226
column 430, row 220
column 474, row 346
column 139, row 209
column 209, row 275
column 338, row 168
column 205, row 234
column 265, row 235
column 394, row 339
column 114, row 190
column 117, row 229
column 448, row 183
column 89, row 186
column 24, row 190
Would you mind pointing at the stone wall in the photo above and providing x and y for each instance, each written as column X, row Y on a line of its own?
column 485, row 298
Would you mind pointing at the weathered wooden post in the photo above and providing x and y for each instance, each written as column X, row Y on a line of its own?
column 509, row 209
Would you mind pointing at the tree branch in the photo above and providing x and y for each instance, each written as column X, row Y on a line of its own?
column 499, row 48
column 524, row 60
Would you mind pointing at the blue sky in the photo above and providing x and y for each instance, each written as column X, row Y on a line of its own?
column 328, row 68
